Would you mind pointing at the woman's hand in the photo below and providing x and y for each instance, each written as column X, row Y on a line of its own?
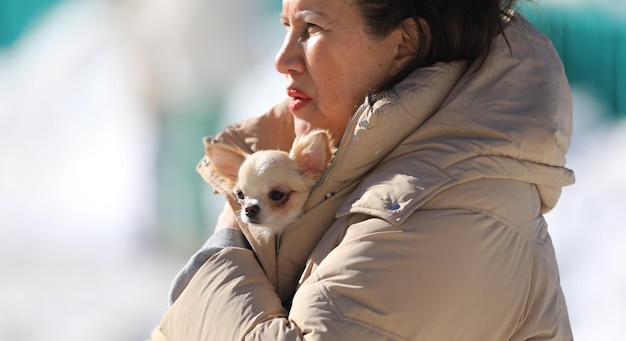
column 227, row 219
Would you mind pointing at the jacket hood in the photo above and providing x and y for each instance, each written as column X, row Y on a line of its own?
column 509, row 118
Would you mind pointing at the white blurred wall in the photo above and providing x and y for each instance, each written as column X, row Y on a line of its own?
column 82, row 96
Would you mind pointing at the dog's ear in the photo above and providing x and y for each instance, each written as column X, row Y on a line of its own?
column 225, row 161
column 312, row 152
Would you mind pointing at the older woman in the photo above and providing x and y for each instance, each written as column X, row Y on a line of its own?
column 452, row 119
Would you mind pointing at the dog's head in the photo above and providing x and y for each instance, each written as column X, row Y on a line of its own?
column 270, row 185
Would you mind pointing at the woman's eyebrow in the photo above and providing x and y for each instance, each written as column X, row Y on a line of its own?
column 305, row 15
column 308, row 15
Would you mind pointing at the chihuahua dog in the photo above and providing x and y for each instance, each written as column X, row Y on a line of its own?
column 272, row 185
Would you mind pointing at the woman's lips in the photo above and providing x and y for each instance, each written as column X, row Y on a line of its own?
column 298, row 99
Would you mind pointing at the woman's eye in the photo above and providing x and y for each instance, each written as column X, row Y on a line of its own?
column 240, row 195
column 276, row 195
column 312, row 28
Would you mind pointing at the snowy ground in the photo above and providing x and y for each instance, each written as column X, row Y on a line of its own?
column 77, row 143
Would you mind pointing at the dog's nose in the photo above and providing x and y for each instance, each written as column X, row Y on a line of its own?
column 252, row 211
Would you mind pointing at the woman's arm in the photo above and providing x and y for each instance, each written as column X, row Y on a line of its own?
column 226, row 234
column 226, row 298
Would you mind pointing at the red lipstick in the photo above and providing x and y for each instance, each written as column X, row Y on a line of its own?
column 298, row 99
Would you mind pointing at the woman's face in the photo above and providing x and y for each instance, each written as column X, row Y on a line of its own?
column 330, row 62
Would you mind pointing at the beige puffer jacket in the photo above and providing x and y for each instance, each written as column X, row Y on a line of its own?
column 427, row 226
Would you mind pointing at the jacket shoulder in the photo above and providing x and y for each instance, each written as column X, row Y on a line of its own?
column 271, row 130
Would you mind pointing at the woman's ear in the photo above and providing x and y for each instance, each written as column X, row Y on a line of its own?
column 406, row 37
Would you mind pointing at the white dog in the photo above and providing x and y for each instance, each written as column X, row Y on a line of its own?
column 272, row 185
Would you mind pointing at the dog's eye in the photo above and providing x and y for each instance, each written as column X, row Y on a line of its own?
column 240, row 195
column 276, row 195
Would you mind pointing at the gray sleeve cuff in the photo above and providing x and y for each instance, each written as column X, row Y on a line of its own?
column 221, row 239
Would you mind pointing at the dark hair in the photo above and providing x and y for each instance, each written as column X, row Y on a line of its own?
column 459, row 29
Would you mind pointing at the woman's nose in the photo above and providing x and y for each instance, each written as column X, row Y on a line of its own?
column 289, row 58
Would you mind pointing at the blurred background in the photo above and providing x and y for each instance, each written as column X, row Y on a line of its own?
column 103, row 106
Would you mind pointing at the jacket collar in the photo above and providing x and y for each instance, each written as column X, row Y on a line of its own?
column 379, row 126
